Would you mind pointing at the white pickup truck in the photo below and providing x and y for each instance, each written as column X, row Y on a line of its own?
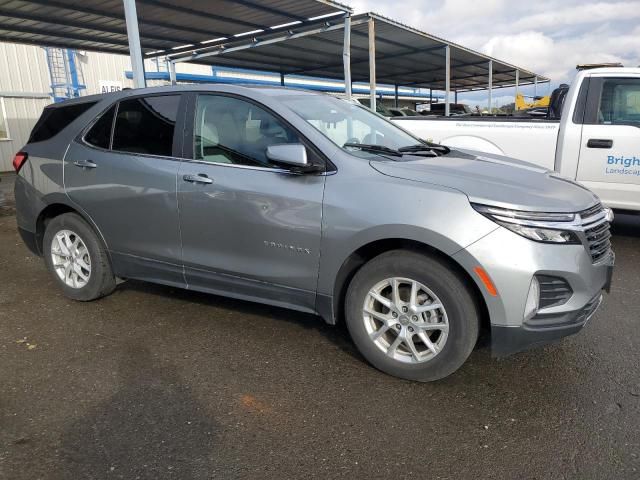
column 592, row 134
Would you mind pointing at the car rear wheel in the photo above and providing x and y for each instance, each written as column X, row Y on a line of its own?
column 77, row 259
column 411, row 316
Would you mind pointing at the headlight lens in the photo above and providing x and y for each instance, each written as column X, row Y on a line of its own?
column 538, row 226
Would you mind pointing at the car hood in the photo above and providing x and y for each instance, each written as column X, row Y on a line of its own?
column 493, row 180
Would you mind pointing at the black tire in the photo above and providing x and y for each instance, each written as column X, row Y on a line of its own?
column 435, row 274
column 101, row 280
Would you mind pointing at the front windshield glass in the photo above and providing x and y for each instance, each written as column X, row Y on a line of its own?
column 344, row 122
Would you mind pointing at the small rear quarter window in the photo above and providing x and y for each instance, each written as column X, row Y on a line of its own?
column 100, row 133
column 54, row 119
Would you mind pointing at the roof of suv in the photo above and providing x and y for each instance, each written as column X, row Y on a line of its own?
column 240, row 89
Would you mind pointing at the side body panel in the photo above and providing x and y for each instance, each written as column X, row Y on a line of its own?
column 249, row 228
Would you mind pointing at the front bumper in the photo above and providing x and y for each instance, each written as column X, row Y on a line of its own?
column 511, row 261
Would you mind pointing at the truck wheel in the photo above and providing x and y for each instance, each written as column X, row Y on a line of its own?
column 411, row 316
column 77, row 259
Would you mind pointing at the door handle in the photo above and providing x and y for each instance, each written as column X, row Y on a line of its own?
column 599, row 143
column 200, row 178
column 85, row 164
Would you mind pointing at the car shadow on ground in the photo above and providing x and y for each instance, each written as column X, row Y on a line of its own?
column 133, row 433
column 336, row 334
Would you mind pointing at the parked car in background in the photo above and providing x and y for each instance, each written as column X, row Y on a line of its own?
column 590, row 134
column 305, row 201
column 403, row 112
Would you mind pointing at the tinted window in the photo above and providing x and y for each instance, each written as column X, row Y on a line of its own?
column 230, row 130
column 146, row 125
column 55, row 118
column 620, row 102
column 100, row 133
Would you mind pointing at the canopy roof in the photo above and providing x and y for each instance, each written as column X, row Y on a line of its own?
column 404, row 56
column 287, row 36
column 164, row 24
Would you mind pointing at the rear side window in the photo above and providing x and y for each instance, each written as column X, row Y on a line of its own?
column 100, row 134
column 146, row 125
column 54, row 119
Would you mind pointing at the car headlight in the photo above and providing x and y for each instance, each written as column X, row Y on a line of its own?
column 538, row 226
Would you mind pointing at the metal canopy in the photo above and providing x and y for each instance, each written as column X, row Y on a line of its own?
column 403, row 56
column 164, row 24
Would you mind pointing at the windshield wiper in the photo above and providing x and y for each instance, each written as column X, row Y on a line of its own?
column 426, row 147
column 374, row 148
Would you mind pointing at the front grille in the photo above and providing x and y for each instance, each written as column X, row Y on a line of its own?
column 553, row 291
column 596, row 229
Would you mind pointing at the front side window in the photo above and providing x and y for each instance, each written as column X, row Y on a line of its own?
column 233, row 131
column 100, row 134
column 4, row 128
column 346, row 122
column 620, row 102
column 146, row 125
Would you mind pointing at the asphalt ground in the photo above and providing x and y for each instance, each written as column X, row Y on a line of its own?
column 155, row 382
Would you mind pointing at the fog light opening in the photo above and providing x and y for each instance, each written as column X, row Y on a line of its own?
column 533, row 300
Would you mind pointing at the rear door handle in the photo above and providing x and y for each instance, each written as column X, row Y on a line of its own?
column 85, row 164
column 200, row 178
column 599, row 143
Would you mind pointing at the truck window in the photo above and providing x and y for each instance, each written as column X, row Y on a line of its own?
column 620, row 102
column 55, row 118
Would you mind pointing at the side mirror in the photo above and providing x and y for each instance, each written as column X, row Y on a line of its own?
column 290, row 154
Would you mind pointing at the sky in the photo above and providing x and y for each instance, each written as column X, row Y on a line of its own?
column 549, row 37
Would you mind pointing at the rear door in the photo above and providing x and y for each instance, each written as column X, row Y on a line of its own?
column 122, row 173
column 249, row 228
column 610, row 145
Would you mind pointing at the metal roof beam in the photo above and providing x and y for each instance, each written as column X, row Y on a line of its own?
column 378, row 58
column 14, row 13
column 274, row 11
column 62, row 35
column 14, row 39
column 98, row 13
column 197, row 13
column 432, row 70
column 230, row 48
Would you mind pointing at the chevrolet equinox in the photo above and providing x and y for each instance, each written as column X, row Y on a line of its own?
column 310, row 202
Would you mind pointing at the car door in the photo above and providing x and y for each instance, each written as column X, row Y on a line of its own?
column 250, row 229
column 122, row 173
column 609, row 160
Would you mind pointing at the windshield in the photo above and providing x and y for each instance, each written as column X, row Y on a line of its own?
column 344, row 122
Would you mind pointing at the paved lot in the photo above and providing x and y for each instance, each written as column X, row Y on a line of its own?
column 154, row 382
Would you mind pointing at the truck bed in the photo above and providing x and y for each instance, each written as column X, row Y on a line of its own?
column 531, row 140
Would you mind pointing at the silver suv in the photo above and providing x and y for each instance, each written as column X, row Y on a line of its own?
column 309, row 202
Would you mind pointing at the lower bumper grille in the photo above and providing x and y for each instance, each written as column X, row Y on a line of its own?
column 567, row 319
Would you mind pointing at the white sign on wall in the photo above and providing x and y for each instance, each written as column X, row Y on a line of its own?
column 108, row 86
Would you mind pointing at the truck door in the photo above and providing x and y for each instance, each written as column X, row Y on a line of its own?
column 609, row 162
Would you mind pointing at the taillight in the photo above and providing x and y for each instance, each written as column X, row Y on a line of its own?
column 19, row 160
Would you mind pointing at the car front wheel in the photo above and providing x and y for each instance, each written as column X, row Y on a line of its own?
column 412, row 316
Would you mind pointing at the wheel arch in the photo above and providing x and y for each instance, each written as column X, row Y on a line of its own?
column 354, row 261
column 54, row 210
